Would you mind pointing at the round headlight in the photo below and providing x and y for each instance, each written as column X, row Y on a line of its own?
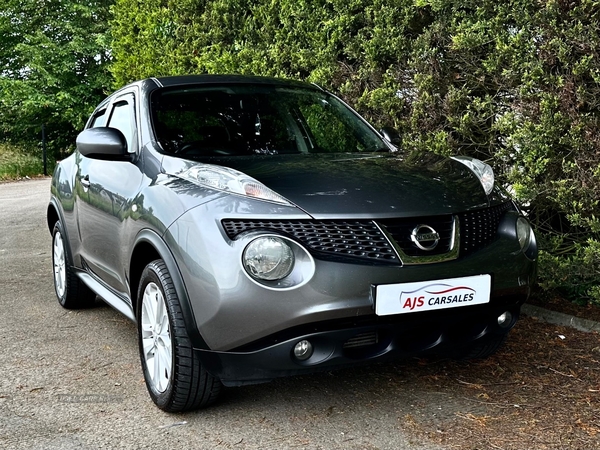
column 523, row 233
column 268, row 258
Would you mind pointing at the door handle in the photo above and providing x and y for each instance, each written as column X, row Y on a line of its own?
column 85, row 181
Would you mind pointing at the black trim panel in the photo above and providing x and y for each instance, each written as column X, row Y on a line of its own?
column 337, row 347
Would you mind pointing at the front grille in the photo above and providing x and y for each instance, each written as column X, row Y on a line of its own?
column 479, row 228
column 362, row 240
column 358, row 239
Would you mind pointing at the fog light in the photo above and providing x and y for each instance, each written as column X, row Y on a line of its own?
column 505, row 319
column 268, row 258
column 303, row 350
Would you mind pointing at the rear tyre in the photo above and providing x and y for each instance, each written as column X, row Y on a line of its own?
column 175, row 378
column 71, row 292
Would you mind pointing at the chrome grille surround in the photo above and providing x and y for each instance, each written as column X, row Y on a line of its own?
column 406, row 248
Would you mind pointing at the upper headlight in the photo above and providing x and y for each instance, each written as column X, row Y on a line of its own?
column 230, row 180
column 484, row 171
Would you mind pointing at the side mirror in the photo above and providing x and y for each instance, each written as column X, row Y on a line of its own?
column 391, row 135
column 103, row 143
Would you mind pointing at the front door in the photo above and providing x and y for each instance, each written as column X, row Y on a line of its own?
column 108, row 191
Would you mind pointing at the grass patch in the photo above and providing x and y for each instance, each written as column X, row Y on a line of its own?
column 15, row 163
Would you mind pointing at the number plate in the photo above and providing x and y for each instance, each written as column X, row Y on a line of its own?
column 431, row 295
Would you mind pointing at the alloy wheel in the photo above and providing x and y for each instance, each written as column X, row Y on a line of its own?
column 59, row 261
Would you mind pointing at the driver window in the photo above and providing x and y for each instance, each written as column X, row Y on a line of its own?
column 122, row 118
column 99, row 119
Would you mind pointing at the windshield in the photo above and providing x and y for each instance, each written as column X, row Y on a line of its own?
column 240, row 120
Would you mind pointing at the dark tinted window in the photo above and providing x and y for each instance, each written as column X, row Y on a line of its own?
column 246, row 120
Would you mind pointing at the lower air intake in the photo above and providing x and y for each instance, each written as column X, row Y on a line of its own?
column 362, row 340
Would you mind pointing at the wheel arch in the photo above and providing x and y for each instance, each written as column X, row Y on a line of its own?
column 52, row 215
column 148, row 247
column 55, row 214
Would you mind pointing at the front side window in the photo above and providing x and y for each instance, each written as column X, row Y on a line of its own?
column 122, row 118
column 236, row 120
column 99, row 119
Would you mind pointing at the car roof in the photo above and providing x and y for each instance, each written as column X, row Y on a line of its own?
column 227, row 79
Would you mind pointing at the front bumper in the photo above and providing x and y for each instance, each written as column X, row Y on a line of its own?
column 231, row 311
column 361, row 340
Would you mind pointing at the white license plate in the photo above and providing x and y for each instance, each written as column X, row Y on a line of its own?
column 404, row 298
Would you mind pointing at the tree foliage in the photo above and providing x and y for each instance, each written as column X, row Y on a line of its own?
column 513, row 82
column 54, row 58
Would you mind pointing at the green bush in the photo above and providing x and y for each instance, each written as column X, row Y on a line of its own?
column 515, row 83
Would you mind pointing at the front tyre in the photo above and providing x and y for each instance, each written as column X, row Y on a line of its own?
column 71, row 292
column 174, row 375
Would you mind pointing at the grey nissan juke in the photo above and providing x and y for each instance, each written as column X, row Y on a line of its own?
column 255, row 228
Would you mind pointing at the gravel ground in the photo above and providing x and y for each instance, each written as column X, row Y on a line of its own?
column 72, row 380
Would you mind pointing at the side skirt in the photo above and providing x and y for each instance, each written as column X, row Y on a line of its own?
column 114, row 300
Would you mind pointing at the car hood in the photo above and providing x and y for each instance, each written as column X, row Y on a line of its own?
column 370, row 185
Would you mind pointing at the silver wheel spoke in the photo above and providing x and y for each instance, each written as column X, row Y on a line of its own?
column 164, row 367
column 158, row 316
column 159, row 370
column 150, row 300
column 164, row 345
column 162, row 325
column 148, row 344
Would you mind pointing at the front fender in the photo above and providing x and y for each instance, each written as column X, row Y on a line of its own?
column 148, row 237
